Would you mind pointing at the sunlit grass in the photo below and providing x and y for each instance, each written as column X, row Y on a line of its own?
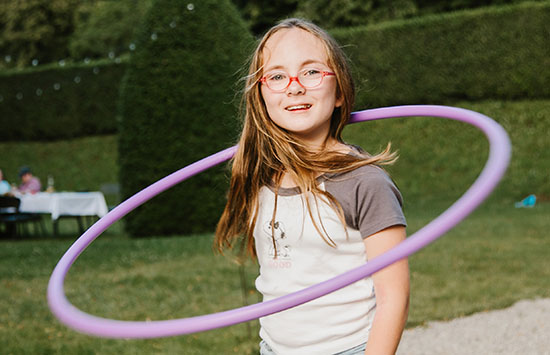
column 495, row 257
column 121, row 278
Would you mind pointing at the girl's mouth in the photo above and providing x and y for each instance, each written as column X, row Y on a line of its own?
column 301, row 107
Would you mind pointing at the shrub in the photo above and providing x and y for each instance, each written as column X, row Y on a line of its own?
column 105, row 26
column 54, row 102
column 35, row 30
column 490, row 53
column 178, row 105
column 345, row 13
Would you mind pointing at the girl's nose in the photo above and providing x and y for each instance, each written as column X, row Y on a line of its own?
column 295, row 88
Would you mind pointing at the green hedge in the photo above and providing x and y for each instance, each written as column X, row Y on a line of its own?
column 439, row 159
column 178, row 105
column 59, row 102
column 490, row 53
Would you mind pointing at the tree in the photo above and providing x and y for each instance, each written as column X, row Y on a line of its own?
column 178, row 105
column 106, row 28
column 262, row 14
column 346, row 13
column 35, row 31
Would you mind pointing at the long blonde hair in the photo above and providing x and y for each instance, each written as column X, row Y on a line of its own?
column 266, row 151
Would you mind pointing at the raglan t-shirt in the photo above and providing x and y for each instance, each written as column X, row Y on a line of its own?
column 294, row 256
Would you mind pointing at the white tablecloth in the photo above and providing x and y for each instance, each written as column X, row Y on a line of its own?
column 65, row 203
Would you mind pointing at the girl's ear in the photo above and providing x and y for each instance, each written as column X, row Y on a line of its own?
column 339, row 100
column 339, row 97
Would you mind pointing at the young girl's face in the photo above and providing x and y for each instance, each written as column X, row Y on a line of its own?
column 304, row 111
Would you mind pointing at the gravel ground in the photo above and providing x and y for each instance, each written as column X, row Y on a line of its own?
column 522, row 329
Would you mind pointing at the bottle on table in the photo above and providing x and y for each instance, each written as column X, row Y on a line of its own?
column 50, row 187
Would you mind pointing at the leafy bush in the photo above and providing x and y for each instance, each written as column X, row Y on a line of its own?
column 491, row 53
column 178, row 105
column 105, row 27
column 345, row 13
column 56, row 102
column 262, row 14
column 35, row 30
column 494, row 53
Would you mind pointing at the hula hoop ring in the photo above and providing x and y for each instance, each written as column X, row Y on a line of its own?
column 499, row 156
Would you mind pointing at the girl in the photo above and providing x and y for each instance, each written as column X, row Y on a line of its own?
column 310, row 206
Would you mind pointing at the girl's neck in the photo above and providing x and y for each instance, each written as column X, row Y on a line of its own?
column 330, row 146
column 324, row 145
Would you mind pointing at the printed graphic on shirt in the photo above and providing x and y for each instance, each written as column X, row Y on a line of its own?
column 279, row 248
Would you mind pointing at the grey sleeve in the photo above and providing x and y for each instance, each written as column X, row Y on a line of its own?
column 369, row 198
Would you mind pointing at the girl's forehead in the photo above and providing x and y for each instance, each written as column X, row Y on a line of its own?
column 290, row 46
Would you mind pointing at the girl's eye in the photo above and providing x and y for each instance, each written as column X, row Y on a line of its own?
column 311, row 72
column 276, row 77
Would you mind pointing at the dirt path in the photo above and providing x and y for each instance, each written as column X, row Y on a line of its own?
column 522, row 329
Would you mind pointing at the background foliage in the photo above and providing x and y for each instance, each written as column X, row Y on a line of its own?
column 106, row 28
column 438, row 158
column 178, row 105
column 346, row 13
column 262, row 14
column 43, row 31
column 35, row 30
column 115, row 278
column 495, row 52
column 59, row 102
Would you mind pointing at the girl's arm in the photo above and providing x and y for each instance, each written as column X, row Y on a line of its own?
column 391, row 286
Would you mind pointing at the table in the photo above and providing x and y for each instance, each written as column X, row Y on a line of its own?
column 65, row 204
column 62, row 204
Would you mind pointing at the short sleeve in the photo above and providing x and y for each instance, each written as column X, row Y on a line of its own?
column 379, row 204
column 369, row 198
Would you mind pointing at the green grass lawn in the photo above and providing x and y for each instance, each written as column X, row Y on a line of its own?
column 440, row 158
column 495, row 257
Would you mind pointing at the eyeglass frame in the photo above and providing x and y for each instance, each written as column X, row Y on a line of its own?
column 324, row 73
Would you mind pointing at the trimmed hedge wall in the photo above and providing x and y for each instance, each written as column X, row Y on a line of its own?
column 54, row 102
column 178, row 105
column 491, row 53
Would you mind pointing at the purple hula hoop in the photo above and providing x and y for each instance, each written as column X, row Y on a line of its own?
column 493, row 171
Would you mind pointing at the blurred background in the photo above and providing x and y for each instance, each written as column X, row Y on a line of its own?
column 110, row 96
column 66, row 112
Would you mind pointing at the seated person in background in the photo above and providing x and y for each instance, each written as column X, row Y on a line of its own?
column 29, row 183
column 4, row 185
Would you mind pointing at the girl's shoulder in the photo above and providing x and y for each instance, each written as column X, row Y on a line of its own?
column 363, row 180
column 368, row 170
column 369, row 174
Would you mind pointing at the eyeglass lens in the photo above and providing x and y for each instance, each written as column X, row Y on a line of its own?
column 280, row 80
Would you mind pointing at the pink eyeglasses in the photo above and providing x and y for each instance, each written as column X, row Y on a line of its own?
column 279, row 81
